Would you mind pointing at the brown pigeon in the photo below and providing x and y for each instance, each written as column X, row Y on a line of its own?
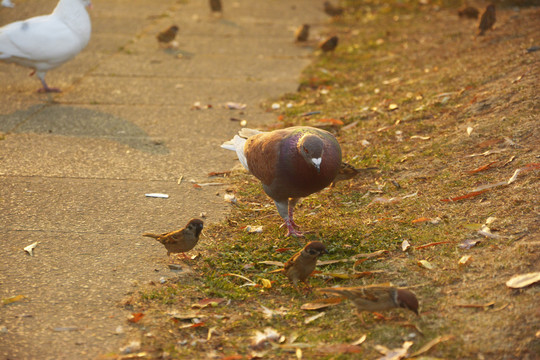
column 469, row 12
column 291, row 163
column 332, row 10
column 329, row 44
column 487, row 20
column 302, row 33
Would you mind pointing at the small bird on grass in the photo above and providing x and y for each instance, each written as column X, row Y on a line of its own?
column 469, row 12
column 332, row 10
column 180, row 241
column 46, row 42
column 376, row 297
column 302, row 33
column 487, row 20
column 291, row 163
column 329, row 44
column 167, row 36
column 347, row 172
column 303, row 263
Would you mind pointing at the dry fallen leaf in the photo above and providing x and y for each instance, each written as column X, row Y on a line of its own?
column 322, row 303
column 469, row 243
column 204, row 303
column 266, row 284
column 361, row 340
column 275, row 263
column 405, row 245
column 30, row 248
column 431, row 344
column 254, row 229
column 426, row 264
column 13, row 299
column 135, row 317
column 464, row 260
column 394, row 354
column 339, row 349
column 262, row 338
column 314, row 317
column 523, row 280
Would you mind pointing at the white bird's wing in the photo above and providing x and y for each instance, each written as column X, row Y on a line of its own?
column 39, row 39
column 237, row 144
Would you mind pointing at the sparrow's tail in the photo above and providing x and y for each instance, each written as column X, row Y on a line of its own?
column 155, row 236
column 337, row 291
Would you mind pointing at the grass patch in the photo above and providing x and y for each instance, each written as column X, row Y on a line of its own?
column 425, row 60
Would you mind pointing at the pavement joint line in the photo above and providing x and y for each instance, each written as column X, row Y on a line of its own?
column 94, row 178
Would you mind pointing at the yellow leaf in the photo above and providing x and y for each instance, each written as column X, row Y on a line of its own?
column 13, row 299
column 266, row 283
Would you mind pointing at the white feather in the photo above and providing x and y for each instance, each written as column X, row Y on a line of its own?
column 238, row 142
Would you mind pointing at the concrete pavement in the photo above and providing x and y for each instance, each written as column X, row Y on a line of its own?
column 73, row 172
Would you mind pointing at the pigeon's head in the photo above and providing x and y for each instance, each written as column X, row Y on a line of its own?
column 196, row 226
column 315, row 249
column 311, row 148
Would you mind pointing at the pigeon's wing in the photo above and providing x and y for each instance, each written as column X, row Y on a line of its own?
column 42, row 38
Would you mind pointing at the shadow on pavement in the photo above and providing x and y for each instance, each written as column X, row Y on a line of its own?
column 80, row 122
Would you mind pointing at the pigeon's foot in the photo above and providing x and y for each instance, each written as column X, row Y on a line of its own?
column 292, row 229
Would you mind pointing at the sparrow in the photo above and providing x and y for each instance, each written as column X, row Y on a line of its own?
column 302, row 264
column 329, row 44
column 215, row 5
column 347, row 172
column 487, row 20
column 332, row 10
column 376, row 297
column 468, row 12
column 167, row 36
column 302, row 33
column 180, row 241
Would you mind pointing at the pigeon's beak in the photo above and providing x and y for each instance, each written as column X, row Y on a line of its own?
column 317, row 163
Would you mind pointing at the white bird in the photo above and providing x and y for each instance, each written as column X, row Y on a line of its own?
column 46, row 42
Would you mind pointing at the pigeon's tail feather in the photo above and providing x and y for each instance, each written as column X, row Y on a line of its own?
column 246, row 132
column 237, row 144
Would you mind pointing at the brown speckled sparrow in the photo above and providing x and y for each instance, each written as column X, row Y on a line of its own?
column 376, row 298
column 167, row 36
column 329, row 44
column 302, row 264
column 469, row 12
column 347, row 172
column 302, row 33
column 487, row 20
column 332, row 10
column 215, row 5
column 182, row 240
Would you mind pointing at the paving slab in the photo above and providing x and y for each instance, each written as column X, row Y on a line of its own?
column 75, row 167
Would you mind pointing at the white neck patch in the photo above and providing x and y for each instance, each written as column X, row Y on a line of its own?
column 316, row 162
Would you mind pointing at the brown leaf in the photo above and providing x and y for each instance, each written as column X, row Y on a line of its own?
column 431, row 244
column 466, row 196
column 135, row 317
column 340, row 349
column 431, row 344
column 322, row 303
column 482, row 168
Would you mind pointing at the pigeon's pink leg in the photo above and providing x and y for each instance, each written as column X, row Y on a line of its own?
column 285, row 210
column 45, row 89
